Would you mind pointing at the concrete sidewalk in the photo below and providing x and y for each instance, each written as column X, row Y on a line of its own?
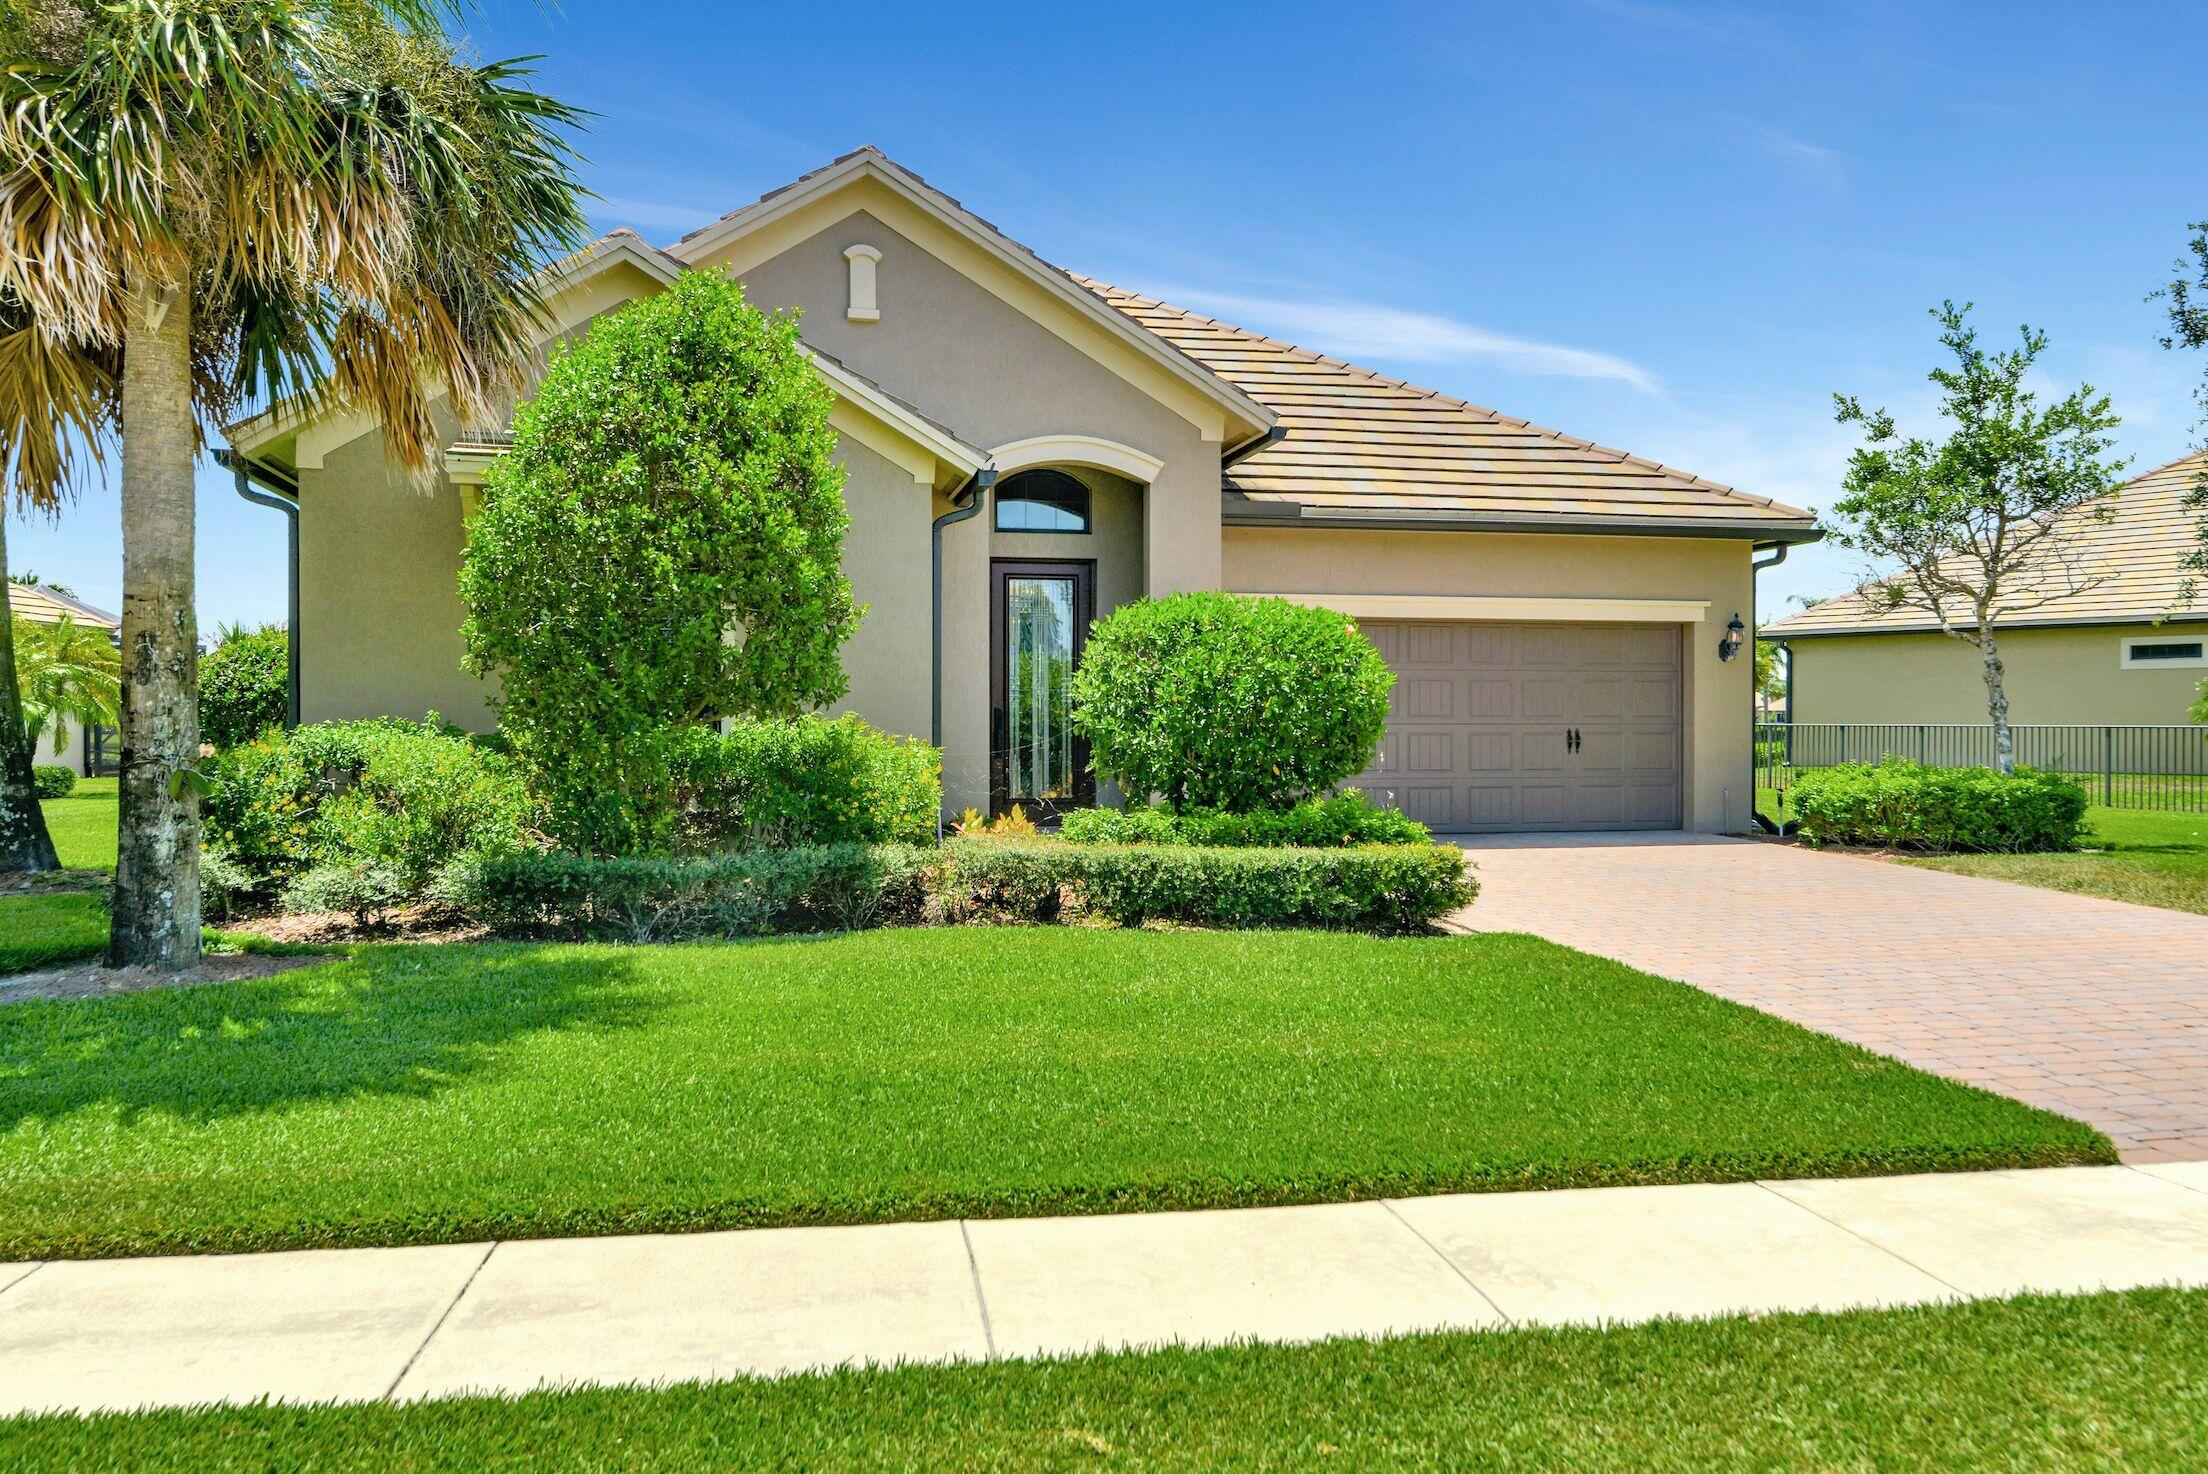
column 366, row 1324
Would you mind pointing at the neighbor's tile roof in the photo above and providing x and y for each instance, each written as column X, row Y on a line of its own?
column 2123, row 570
column 42, row 605
column 1360, row 443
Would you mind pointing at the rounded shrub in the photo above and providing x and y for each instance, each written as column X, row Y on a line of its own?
column 1903, row 805
column 51, row 780
column 1229, row 701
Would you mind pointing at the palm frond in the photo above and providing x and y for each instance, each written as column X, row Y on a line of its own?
column 59, row 401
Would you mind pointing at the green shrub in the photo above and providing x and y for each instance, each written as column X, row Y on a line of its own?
column 1331, row 822
column 1904, row 805
column 804, row 782
column 244, row 684
column 656, row 899
column 1229, row 701
column 1391, row 888
column 372, row 809
column 673, row 478
column 51, row 780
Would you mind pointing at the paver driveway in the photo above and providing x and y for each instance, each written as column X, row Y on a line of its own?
column 2093, row 1008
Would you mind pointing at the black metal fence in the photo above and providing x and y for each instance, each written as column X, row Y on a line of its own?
column 2121, row 767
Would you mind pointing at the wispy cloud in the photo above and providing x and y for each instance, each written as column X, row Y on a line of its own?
column 1370, row 330
column 650, row 214
column 1799, row 153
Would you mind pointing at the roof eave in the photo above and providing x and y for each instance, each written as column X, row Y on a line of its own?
column 1239, row 512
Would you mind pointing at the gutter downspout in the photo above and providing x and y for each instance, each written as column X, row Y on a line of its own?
column 977, row 488
column 1755, row 566
column 283, row 495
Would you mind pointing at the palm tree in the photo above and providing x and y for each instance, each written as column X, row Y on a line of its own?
column 208, row 202
column 24, row 842
column 67, row 672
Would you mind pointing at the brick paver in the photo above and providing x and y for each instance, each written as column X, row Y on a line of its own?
column 2093, row 1008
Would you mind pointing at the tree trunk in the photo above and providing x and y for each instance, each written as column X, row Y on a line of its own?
column 1997, row 705
column 24, row 842
column 156, row 921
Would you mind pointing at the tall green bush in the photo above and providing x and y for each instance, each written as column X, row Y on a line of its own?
column 1229, row 701
column 1904, row 805
column 244, row 684
column 663, row 546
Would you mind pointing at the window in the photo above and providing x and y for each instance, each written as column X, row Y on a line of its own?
column 2148, row 652
column 1042, row 501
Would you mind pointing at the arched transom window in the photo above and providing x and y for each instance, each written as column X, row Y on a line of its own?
column 1042, row 501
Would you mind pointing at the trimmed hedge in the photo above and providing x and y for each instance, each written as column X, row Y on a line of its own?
column 1373, row 888
column 655, row 899
column 1903, row 805
column 51, row 780
column 1393, row 888
column 1332, row 822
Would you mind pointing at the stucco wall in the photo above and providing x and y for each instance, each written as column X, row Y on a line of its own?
column 995, row 376
column 2053, row 675
column 379, row 594
column 380, row 610
column 1716, row 724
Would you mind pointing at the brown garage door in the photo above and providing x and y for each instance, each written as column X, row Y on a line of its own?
column 1482, row 723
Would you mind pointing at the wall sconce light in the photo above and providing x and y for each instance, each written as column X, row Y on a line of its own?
column 1728, row 647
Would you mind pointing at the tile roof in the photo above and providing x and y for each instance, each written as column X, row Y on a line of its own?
column 1360, row 444
column 42, row 605
column 2128, row 569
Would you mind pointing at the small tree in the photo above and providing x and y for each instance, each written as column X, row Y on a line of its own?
column 663, row 546
column 1984, row 524
column 2187, row 294
column 66, row 672
column 244, row 684
column 1229, row 701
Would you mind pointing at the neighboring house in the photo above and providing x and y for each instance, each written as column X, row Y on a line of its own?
column 2116, row 644
column 90, row 751
column 1553, row 609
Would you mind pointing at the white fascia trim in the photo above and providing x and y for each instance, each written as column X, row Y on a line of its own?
column 754, row 216
column 1077, row 450
column 946, row 448
column 1515, row 607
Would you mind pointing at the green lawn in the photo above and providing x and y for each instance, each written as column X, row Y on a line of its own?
column 422, row 1094
column 2153, row 859
column 41, row 931
column 83, row 824
column 2112, row 1382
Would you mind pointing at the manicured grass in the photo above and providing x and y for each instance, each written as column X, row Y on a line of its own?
column 83, row 824
column 44, row 930
column 419, row 1094
column 2115, row 1381
column 2148, row 858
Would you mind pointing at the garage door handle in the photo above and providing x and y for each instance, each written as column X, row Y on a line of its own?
column 1571, row 739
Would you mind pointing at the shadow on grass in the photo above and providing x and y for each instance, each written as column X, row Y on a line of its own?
column 398, row 1021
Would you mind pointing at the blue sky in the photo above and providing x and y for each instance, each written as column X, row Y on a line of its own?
column 1674, row 228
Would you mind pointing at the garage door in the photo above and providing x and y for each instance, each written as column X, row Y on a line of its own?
column 1500, row 727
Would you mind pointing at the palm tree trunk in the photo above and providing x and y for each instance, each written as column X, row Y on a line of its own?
column 1997, row 705
column 24, row 842
column 156, row 920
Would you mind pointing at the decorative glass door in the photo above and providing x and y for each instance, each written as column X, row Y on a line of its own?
column 1039, row 618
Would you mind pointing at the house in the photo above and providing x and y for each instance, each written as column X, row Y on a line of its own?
column 1028, row 449
column 2112, row 640
column 91, row 750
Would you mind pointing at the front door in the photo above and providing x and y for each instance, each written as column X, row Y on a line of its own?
column 1039, row 614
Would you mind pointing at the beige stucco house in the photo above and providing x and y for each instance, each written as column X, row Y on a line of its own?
column 2111, row 639
column 84, row 750
column 1028, row 449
